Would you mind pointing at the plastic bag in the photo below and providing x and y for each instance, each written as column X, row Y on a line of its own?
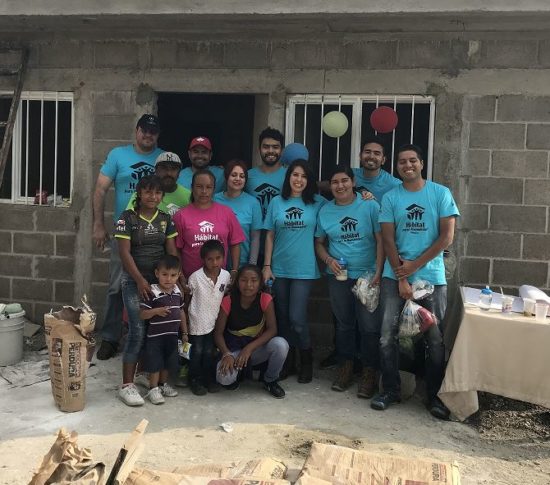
column 421, row 289
column 415, row 319
column 365, row 292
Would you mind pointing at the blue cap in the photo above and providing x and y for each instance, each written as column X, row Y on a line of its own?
column 294, row 151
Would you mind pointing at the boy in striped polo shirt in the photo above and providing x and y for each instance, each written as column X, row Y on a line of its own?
column 166, row 316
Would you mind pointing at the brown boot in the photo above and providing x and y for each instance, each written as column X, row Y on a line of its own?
column 289, row 367
column 306, row 366
column 368, row 385
column 344, row 376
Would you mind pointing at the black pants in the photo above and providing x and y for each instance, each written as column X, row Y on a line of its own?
column 201, row 362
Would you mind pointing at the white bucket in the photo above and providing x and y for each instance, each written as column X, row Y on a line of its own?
column 11, row 338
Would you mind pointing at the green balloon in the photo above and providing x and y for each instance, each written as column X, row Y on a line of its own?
column 335, row 124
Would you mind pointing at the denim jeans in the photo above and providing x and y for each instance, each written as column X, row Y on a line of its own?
column 201, row 361
column 351, row 314
column 291, row 299
column 136, row 326
column 111, row 330
column 392, row 305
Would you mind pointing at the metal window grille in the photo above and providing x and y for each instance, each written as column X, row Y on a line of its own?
column 40, row 166
column 305, row 112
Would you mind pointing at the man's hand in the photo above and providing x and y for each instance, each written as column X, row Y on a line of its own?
column 144, row 290
column 366, row 195
column 405, row 289
column 406, row 269
column 100, row 236
column 242, row 359
column 162, row 311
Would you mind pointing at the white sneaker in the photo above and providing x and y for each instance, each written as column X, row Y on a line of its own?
column 168, row 391
column 142, row 380
column 130, row 396
column 155, row 396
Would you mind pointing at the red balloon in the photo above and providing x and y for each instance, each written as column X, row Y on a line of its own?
column 383, row 119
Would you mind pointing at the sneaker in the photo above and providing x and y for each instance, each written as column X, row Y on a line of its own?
column 198, row 389
column 384, row 400
column 214, row 387
column 368, row 384
column 155, row 396
column 168, row 391
column 106, row 350
column 344, row 377
column 142, row 380
column 130, row 395
column 438, row 409
column 329, row 362
column 274, row 389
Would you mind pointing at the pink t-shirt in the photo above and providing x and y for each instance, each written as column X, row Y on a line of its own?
column 195, row 226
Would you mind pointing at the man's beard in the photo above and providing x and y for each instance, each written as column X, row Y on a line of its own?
column 169, row 184
column 270, row 163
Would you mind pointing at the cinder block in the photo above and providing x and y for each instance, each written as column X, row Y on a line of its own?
column 517, row 273
column 497, row 135
column 28, row 306
column 473, row 271
column 538, row 136
column 163, row 54
column 5, row 288
column 477, row 162
column 517, row 218
column 64, row 244
column 480, row 108
column 18, row 218
column 16, row 265
column 114, row 127
column 55, row 268
column 40, row 309
column 246, row 54
column 61, row 54
column 519, row 163
column 432, row 54
column 506, row 54
column 5, row 242
column 494, row 244
column 101, row 148
column 199, row 55
column 474, row 216
column 98, row 295
column 536, row 247
column 10, row 59
column 55, row 219
column 370, row 55
column 64, row 292
column 544, row 53
column 523, row 108
column 100, row 271
column 32, row 243
column 298, row 54
column 32, row 289
column 114, row 103
column 537, row 192
column 116, row 54
column 494, row 190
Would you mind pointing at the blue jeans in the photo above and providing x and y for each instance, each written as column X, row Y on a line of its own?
column 111, row 331
column 291, row 298
column 350, row 314
column 136, row 326
column 392, row 305
column 201, row 361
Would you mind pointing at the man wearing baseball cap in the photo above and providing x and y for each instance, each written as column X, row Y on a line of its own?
column 176, row 196
column 124, row 167
column 200, row 155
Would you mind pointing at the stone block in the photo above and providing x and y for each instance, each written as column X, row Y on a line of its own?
column 474, row 216
column 432, row 54
column 116, row 54
column 55, row 268
column 544, row 53
column 5, row 288
column 16, row 265
column 98, row 295
column 477, row 162
column 244, row 55
column 40, row 309
column 536, row 246
column 32, row 243
column 474, row 271
column 55, row 219
column 28, row 306
column 370, row 55
column 32, row 289
column 538, row 136
column 506, row 54
column 18, row 218
column 64, row 244
column 523, row 108
column 517, row 218
column 100, row 271
column 114, row 103
column 480, row 108
column 61, row 54
column 101, row 148
column 497, row 135
column 10, row 59
column 495, row 190
column 64, row 292
column 114, row 127
column 519, row 163
column 516, row 273
column 537, row 192
column 163, row 54
column 298, row 54
column 199, row 55
column 494, row 245
column 5, row 242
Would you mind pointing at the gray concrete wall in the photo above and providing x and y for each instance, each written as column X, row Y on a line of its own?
column 491, row 145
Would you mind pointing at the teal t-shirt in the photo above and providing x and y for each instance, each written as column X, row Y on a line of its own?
column 416, row 218
column 265, row 185
column 125, row 167
column 378, row 185
column 249, row 214
column 293, row 223
column 350, row 232
column 186, row 177
column 171, row 201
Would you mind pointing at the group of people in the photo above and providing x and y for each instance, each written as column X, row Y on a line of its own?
column 195, row 249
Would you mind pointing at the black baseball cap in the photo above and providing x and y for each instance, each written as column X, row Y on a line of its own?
column 149, row 122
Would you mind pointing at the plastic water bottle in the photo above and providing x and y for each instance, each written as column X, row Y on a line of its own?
column 485, row 298
column 269, row 286
column 343, row 275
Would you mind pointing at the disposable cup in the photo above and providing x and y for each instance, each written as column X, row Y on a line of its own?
column 541, row 309
column 528, row 307
column 507, row 302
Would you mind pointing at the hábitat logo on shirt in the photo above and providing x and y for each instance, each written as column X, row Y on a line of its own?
column 206, row 227
column 140, row 170
column 415, row 213
column 206, row 230
column 293, row 217
column 348, row 227
column 265, row 193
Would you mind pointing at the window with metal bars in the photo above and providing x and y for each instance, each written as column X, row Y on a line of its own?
column 39, row 168
column 416, row 116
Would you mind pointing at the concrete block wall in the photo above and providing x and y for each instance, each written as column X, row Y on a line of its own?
column 504, row 227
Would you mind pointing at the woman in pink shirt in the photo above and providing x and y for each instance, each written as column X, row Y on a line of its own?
column 204, row 219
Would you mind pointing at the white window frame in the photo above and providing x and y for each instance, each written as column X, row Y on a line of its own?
column 357, row 103
column 17, row 197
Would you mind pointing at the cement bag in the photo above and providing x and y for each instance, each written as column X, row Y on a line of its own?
column 68, row 367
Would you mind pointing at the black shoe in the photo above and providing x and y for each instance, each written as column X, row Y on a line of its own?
column 232, row 387
column 274, row 389
column 439, row 410
column 329, row 362
column 214, row 387
column 384, row 400
column 305, row 374
column 106, row 350
column 198, row 389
